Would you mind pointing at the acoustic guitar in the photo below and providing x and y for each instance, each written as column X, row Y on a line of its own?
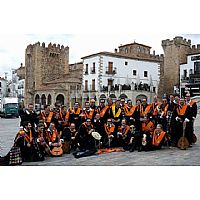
column 183, row 143
column 57, row 151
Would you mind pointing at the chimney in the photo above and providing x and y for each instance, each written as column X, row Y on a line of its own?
column 115, row 50
column 21, row 64
column 154, row 53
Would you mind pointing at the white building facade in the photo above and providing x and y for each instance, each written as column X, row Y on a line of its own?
column 108, row 74
column 190, row 75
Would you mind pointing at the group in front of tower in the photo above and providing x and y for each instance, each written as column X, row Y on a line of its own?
column 111, row 125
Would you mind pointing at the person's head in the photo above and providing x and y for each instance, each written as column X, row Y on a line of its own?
column 129, row 103
column 168, row 113
column 52, row 126
column 92, row 102
column 102, row 102
column 30, row 107
column 171, row 97
column 146, row 119
column 109, row 121
column 117, row 103
column 182, row 101
column 88, row 122
column 159, row 127
column 187, row 96
column 47, row 108
column 72, row 126
column 64, row 109
column 27, row 125
column 87, row 105
column 138, row 102
column 110, row 101
column 122, row 101
column 97, row 116
column 164, row 100
column 76, row 105
column 144, row 101
column 155, row 99
column 40, row 127
column 177, row 99
column 123, row 122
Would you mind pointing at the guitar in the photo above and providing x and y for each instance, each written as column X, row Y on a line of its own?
column 183, row 143
column 57, row 151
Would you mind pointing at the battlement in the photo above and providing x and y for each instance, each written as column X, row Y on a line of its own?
column 195, row 49
column 178, row 40
column 52, row 47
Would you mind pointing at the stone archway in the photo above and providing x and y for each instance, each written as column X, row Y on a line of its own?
column 123, row 96
column 141, row 96
column 112, row 96
column 43, row 100
column 37, row 99
column 60, row 99
column 49, row 100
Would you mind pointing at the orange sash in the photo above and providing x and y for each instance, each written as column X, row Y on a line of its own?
column 157, row 138
column 125, row 130
column 130, row 112
column 72, row 111
column 144, row 112
column 64, row 118
column 52, row 136
column 165, row 110
column 48, row 120
column 103, row 111
column 154, row 108
column 191, row 103
column 109, row 130
column 148, row 127
column 88, row 115
column 181, row 110
column 28, row 138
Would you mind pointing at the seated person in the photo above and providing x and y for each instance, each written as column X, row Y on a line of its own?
column 109, row 135
column 147, row 131
column 123, row 135
column 158, row 137
column 52, row 137
column 68, row 136
column 85, row 140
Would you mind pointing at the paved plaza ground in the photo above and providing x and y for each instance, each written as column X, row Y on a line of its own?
column 166, row 156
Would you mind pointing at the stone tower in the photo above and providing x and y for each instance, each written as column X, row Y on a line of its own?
column 174, row 53
column 42, row 65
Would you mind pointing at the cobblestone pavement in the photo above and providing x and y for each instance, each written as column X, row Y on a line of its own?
column 165, row 156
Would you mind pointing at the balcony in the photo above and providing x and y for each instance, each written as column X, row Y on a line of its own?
column 125, row 87
column 109, row 71
column 93, row 71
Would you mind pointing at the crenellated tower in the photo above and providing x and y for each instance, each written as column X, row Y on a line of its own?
column 175, row 53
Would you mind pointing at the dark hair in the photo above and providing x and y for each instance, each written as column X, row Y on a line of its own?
column 25, row 123
column 46, row 106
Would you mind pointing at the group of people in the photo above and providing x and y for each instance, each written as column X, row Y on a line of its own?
column 111, row 124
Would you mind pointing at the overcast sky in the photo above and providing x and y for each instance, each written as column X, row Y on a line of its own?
column 12, row 47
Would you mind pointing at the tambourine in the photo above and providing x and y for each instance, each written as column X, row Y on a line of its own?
column 96, row 135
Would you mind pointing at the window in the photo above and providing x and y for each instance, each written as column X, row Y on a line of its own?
column 134, row 72
column 197, row 67
column 0, row 84
column 86, row 69
column 145, row 73
column 154, row 89
column 126, row 50
column 93, row 68
column 86, row 84
column 185, row 73
column 126, row 63
column 93, row 84
column 110, row 67
column 138, row 49
column 190, row 72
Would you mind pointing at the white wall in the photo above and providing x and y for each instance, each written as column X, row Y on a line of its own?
column 3, row 87
column 188, row 66
column 124, row 73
